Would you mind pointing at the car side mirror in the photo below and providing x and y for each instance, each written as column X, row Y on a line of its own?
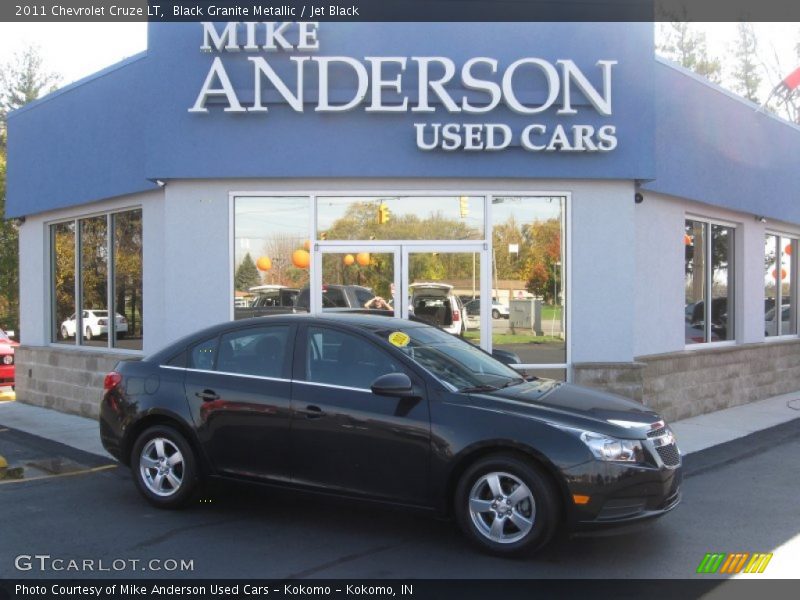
column 397, row 385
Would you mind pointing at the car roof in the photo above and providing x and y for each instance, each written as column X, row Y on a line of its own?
column 432, row 284
column 353, row 319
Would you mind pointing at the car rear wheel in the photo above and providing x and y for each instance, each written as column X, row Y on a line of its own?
column 64, row 333
column 495, row 314
column 506, row 505
column 164, row 467
column 87, row 335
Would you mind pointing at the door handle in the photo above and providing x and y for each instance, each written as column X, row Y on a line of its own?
column 207, row 395
column 313, row 412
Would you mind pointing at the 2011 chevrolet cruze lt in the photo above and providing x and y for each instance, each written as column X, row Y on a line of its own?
column 388, row 410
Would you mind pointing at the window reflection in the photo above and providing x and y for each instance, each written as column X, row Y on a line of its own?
column 94, row 281
column 63, row 283
column 127, row 229
column 695, row 281
column 400, row 218
column 779, row 315
column 528, row 284
column 272, row 254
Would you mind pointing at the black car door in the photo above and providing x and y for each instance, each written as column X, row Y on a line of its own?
column 238, row 388
column 344, row 437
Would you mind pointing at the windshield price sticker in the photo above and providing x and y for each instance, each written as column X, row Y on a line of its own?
column 399, row 339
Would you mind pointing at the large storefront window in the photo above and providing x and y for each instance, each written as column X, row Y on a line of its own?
column 272, row 254
column 780, row 317
column 528, row 284
column 86, row 266
column 422, row 257
column 709, row 288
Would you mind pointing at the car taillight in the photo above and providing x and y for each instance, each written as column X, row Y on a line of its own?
column 102, row 321
column 456, row 316
column 111, row 381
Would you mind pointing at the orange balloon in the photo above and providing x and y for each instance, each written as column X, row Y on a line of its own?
column 264, row 263
column 788, row 249
column 301, row 258
column 362, row 258
column 687, row 239
column 775, row 274
column 307, row 245
column 349, row 260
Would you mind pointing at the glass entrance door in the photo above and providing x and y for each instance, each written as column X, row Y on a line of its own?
column 437, row 284
column 357, row 277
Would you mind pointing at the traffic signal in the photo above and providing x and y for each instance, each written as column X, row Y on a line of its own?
column 463, row 205
column 383, row 214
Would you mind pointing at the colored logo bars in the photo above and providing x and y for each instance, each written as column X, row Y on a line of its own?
column 719, row 562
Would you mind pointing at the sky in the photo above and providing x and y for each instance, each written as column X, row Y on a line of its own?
column 75, row 50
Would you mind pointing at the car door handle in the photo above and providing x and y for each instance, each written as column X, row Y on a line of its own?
column 313, row 412
column 207, row 395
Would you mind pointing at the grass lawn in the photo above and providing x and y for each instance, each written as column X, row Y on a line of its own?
column 550, row 312
column 516, row 338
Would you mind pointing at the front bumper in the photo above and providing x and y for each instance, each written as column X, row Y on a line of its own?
column 621, row 494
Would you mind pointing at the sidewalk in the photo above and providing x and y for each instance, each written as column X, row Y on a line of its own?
column 693, row 434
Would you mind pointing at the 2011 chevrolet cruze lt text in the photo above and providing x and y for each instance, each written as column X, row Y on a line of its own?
column 388, row 410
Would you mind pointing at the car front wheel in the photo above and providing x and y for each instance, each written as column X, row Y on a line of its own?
column 506, row 505
column 64, row 333
column 87, row 335
column 164, row 467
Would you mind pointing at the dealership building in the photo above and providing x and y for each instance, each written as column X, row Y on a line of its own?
column 648, row 219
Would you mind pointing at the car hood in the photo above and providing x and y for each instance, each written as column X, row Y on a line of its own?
column 573, row 406
column 6, row 347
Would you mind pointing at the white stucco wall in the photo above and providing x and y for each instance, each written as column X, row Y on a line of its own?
column 659, row 285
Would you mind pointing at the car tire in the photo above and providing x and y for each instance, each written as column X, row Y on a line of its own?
column 513, row 492
column 495, row 314
column 87, row 335
column 164, row 467
column 64, row 333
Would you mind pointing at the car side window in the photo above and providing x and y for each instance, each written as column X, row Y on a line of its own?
column 363, row 296
column 338, row 358
column 335, row 296
column 201, row 356
column 256, row 351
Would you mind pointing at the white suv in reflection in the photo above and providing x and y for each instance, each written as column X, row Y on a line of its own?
column 95, row 324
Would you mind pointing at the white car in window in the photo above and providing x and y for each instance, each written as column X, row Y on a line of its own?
column 435, row 303
column 95, row 324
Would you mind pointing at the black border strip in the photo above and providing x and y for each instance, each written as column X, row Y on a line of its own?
column 401, row 10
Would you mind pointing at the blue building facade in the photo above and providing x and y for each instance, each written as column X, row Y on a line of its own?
column 144, row 186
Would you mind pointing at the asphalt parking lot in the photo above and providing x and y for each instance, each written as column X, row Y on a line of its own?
column 740, row 496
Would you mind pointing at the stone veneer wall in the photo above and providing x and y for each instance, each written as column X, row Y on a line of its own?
column 67, row 380
column 693, row 382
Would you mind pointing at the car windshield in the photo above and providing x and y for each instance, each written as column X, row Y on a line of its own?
column 458, row 364
column 4, row 336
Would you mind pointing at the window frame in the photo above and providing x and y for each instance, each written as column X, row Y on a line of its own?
column 77, row 343
column 783, row 238
column 734, row 250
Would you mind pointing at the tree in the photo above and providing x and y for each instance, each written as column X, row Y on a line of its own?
column 22, row 80
column 247, row 274
column 684, row 44
column 746, row 77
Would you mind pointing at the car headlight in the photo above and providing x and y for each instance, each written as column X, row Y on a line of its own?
column 8, row 359
column 605, row 447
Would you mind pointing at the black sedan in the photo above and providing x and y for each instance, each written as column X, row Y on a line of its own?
column 388, row 410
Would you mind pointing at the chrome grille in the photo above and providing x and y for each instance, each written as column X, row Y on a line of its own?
column 657, row 432
column 669, row 455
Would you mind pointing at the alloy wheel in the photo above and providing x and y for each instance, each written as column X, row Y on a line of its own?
column 161, row 466
column 502, row 507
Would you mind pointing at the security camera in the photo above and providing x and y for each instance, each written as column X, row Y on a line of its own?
column 638, row 198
